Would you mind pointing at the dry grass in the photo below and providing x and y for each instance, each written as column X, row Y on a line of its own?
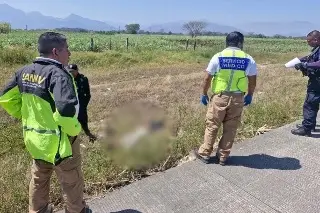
column 278, row 100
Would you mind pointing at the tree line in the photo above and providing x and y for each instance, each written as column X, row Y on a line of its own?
column 192, row 28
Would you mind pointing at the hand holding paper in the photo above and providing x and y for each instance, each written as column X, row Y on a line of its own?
column 292, row 63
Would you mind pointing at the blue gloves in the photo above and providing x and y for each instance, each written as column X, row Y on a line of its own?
column 204, row 99
column 247, row 100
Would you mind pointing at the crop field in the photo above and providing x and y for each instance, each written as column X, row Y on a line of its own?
column 82, row 42
column 153, row 68
column 127, row 50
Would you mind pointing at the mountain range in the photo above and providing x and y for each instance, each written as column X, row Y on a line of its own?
column 35, row 20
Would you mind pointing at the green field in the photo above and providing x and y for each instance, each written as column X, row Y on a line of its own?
column 141, row 48
column 154, row 68
column 82, row 42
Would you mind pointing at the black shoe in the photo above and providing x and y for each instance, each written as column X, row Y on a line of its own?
column 301, row 131
column 205, row 160
column 86, row 210
column 49, row 208
column 300, row 126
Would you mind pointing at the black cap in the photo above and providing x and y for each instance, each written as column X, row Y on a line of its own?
column 72, row 67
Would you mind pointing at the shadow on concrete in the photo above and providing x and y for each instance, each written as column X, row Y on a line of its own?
column 127, row 211
column 263, row 161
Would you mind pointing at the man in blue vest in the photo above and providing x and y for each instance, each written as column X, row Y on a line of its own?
column 310, row 66
column 232, row 76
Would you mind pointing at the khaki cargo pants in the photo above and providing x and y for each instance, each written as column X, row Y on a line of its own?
column 226, row 109
column 70, row 176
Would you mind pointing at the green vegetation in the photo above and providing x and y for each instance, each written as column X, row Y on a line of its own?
column 137, row 43
column 155, row 68
column 20, row 47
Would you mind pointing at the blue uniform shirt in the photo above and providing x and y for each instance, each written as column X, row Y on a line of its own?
column 314, row 80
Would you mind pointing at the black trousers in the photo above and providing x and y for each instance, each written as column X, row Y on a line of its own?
column 310, row 110
column 83, row 119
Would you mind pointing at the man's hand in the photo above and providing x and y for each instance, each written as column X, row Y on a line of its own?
column 247, row 100
column 92, row 138
column 204, row 99
column 205, row 87
column 301, row 66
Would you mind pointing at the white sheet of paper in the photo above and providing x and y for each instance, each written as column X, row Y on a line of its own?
column 292, row 63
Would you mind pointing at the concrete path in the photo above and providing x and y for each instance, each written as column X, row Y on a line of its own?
column 274, row 172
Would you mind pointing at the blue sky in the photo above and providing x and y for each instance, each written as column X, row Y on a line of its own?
column 161, row 11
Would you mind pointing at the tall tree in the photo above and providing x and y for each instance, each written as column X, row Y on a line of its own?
column 5, row 27
column 194, row 28
column 132, row 28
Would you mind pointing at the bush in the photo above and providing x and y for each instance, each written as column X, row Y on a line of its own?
column 14, row 56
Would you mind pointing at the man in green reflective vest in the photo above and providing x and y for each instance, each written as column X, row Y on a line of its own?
column 232, row 76
column 43, row 96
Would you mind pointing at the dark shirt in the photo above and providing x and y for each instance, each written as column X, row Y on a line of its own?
column 84, row 95
column 313, row 63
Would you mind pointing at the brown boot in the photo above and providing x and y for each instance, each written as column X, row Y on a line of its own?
column 221, row 160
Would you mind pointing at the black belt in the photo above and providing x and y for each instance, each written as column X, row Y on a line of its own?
column 230, row 93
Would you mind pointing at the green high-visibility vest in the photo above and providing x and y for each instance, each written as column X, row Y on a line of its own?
column 231, row 74
column 44, row 96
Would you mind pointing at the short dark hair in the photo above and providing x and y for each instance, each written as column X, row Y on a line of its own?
column 49, row 40
column 315, row 33
column 234, row 38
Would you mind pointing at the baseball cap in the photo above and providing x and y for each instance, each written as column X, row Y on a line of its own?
column 72, row 67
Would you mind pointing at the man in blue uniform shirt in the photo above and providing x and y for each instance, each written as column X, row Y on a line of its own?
column 310, row 66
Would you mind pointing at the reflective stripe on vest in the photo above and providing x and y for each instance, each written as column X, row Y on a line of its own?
column 42, row 131
column 231, row 74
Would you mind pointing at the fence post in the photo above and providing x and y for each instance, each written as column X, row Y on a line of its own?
column 195, row 44
column 127, row 43
column 92, row 44
column 187, row 44
column 110, row 46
